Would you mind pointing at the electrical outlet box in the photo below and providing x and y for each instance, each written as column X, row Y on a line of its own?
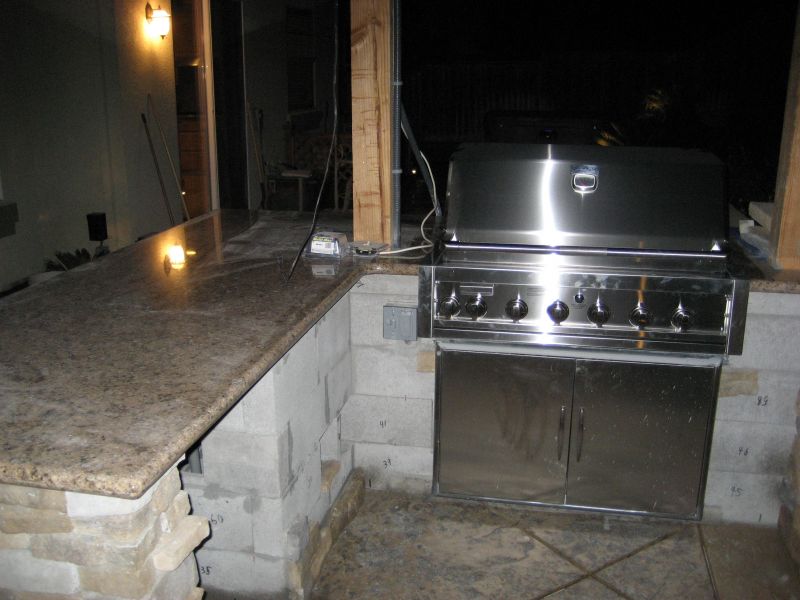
column 400, row 323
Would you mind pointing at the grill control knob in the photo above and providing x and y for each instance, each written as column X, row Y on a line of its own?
column 641, row 317
column 558, row 311
column 682, row 319
column 598, row 313
column 476, row 307
column 516, row 309
column 449, row 307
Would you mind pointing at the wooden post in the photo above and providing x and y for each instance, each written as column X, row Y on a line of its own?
column 371, row 63
column 785, row 232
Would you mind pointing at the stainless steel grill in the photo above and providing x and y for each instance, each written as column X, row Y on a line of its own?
column 586, row 246
column 582, row 308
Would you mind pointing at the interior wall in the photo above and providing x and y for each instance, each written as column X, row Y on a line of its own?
column 266, row 76
column 266, row 83
column 73, row 81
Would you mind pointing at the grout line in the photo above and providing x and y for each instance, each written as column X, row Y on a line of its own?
column 590, row 574
column 710, row 570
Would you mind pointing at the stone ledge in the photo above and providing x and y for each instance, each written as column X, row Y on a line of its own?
column 175, row 546
column 32, row 497
column 21, row 519
column 304, row 572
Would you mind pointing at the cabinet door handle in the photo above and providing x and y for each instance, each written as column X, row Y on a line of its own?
column 560, row 439
column 580, row 435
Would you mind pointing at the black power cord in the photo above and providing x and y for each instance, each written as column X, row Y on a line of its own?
column 333, row 138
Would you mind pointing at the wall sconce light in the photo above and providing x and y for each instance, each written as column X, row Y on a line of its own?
column 176, row 257
column 158, row 20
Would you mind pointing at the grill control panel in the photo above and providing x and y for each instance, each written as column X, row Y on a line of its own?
column 607, row 309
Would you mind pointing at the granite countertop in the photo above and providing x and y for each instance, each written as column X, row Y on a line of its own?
column 763, row 277
column 110, row 372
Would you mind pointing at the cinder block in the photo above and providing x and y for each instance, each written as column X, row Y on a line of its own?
column 764, row 303
column 320, row 508
column 773, row 401
column 273, row 517
column 333, row 335
column 298, row 537
column 21, row 571
column 366, row 318
column 247, row 461
column 329, row 445
column 743, row 497
column 345, row 468
column 238, row 572
column 391, row 285
column 770, row 342
column 743, row 447
column 270, row 528
column 338, row 383
column 297, row 376
column 388, row 420
column 260, row 410
column 380, row 371
column 305, row 490
column 307, row 424
column 233, row 419
column 395, row 467
column 229, row 516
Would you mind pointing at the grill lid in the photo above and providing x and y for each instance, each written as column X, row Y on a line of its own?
column 653, row 199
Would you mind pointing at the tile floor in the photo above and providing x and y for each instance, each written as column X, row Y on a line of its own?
column 412, row 548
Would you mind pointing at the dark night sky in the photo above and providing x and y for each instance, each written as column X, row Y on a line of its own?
column 711, row 57
column 512, row 30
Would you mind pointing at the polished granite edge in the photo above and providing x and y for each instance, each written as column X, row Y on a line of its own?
column 138, row 481
column 69, row 377
column 774, row 286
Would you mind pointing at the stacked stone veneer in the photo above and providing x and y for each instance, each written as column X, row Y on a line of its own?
column 63, row 545
column 273, row 466
column 756, row 416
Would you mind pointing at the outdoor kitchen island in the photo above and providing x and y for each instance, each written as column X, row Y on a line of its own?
column 110, row 373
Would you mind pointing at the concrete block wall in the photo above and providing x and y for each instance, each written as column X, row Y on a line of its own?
column 388, row 418
column 274, row 464
column 755, row 424
column 67, row 545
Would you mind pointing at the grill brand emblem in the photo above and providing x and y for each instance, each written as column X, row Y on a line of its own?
column 585, row 178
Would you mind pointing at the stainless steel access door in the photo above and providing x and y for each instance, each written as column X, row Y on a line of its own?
column 503, row 425
column 640, row 435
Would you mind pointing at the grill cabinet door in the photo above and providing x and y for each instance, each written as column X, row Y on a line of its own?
column 501, row 420
column 640, row 435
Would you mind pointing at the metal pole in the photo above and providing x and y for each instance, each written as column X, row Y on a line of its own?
column 152, row 110
column 158, row 171
column 395, row 124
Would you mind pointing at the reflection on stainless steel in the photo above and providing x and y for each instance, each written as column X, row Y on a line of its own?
column 639, row 428
column 499, row 423
column 582, row 309
column 641, row 190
